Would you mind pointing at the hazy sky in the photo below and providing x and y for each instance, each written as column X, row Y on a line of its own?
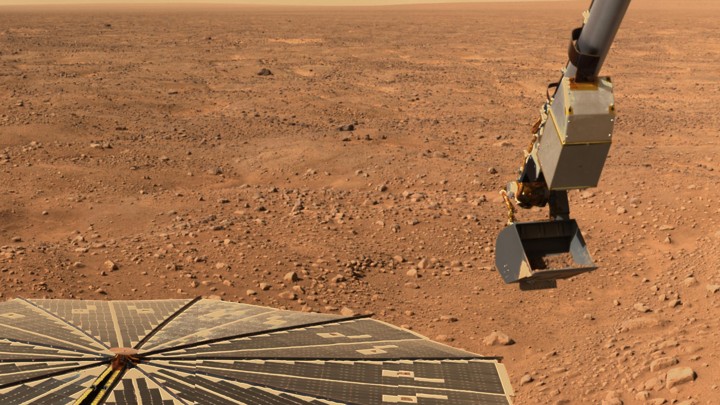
column 266, row 2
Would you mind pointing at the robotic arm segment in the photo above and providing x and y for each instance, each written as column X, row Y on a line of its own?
column 570, row 144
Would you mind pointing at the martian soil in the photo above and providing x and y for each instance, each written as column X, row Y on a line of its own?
column 348, row 160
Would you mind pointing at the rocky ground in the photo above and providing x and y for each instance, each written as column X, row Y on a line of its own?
column 144, row 153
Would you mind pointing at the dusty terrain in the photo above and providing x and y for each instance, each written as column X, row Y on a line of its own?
column 142, row 156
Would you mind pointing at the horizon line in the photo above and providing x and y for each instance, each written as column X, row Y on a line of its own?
column 258, row 3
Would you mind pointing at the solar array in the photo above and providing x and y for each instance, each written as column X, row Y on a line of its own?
column 215, row 352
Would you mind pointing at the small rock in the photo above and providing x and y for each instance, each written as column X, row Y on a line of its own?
column 297, row 208
column 713, row 288
column 448, row 318
column 653, row 384
column 16, row 239
column 663, row 362
column 498, row 338
column 291, row 277
column 265, row 286
column 612, row 398
column 110, row 265
column 412, row 273
column 288, row 295
column 526, row 379
column 690, row 282
column 345, row 311
column 348, row 127
column 679, row 375
column 264, row 72
column 642, row 395
column 640, row 307
column 621, row 210
column 443, row 338
column 640, row 323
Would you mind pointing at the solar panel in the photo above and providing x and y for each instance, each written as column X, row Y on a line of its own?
column 213, row 352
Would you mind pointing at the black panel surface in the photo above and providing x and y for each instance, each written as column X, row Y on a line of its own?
column 171, row 352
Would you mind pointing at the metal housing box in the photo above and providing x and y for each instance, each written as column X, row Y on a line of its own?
column 577, row 134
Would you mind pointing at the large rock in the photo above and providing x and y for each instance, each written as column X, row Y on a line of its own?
column 498, row 339
column 679, row 375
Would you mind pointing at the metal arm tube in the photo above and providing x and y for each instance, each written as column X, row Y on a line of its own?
column 599, row 32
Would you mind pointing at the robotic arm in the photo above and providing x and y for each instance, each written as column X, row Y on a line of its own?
column 570, row 143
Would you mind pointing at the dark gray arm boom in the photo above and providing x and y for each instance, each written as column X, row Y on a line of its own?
column 597, row 35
